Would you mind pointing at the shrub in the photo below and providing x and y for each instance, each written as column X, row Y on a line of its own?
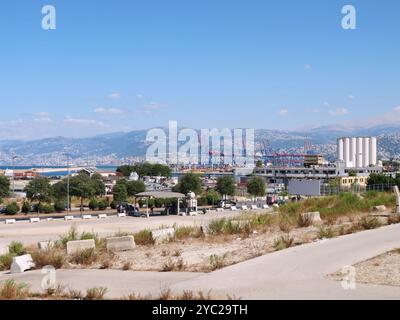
column 216, row 261
column 188, row 232
column 113, row 205
column 96, row 293
column 26, row 207
column 304, row 221
column 59, row 206
column 71, row 235
column 93, row 204
column 10, row 290
column 90, row 235
column 283, row 242
column 394, row 218
column 51, row 256
column 367, row 223
column 216, row 226
column 171, row 265
column 46, row 208
column 6, row 261
column 84, row 257
column 127, row 265
column 102, row 204
column 326, row 232
column 144, row 238
column 16, row 248
column 12, row 208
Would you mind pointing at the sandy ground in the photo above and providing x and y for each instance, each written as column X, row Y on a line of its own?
column 382, row 270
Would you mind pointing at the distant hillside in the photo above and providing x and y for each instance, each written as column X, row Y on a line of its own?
column 110, row 148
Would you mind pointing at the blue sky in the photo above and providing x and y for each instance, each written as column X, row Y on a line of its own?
column 125, row 65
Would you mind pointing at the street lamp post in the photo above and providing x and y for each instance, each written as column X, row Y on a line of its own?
column 68, row 201
column 13, row 178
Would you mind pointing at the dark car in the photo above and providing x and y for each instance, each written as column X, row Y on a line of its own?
column 226, row 204
column 129, row 209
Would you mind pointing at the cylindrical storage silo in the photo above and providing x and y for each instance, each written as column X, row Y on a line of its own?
column 372, row 151
column 366, row 152
column 347, row 151
column 359, row 155
column 340, row 149
column 353, row 151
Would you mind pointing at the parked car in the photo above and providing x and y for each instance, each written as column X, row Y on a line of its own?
column 129, row 209
column 226, row 204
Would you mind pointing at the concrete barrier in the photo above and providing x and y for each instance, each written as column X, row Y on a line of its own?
column 254, row 207
column 381, row 208
column 220, row 209
column 79, row 245
column 66, row 218
column 33, row 220
column 162, row 235
column 233, row 208
column 49, row 219
column 120, row 243
column 102, row 216
column 86, row 216
column 397, row 193
column 10, row 221
column 121, row 215
column 313, row 217
column 244, row 207
column 22, row 263
column 265, row 206
column 45, row 245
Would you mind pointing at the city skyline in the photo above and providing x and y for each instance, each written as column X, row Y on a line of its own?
column 134, row 65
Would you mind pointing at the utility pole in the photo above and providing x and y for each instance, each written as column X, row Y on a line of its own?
column 68, row 204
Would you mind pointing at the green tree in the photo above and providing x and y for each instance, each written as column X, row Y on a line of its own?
column 59, row 190
column 212, row 197
column 4, row 187
column 226, row 186
column 81, row 186
column 126, row 170
column 256, row 187
column 135, row 187
column 39, row 190
column 189, row 182
column 120, row 192
column 12, row 208
column 26, row 207
column 98, row 184
column 259, row 164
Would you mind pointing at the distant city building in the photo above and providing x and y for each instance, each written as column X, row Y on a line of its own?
column 357, row 152
column 313, row 160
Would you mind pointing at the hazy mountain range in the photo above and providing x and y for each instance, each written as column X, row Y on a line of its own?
column 111, row 148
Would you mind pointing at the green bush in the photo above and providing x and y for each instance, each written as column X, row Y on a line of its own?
column 59, row 206
column 216, row 226
column 46, row 208
column 102, row 204
column 26, row 207
column 144, row 238
column 5, row 261
column 188, row 232
column 12, row 208
column 93, row 204
column 113, row 205
column 16, row 248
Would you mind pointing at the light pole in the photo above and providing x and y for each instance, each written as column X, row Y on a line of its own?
column 69, row 173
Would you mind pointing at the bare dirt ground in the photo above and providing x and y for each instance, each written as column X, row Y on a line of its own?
column 381, row 270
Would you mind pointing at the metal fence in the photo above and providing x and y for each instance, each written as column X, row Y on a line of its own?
column 334, row 190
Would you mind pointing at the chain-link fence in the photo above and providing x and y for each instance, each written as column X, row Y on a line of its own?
column 334, row 190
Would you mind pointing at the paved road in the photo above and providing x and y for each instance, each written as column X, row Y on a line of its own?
column 295, row 273
column 31, row 233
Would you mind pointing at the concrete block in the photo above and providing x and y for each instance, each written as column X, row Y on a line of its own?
column 45, row 245
column 49, row 219
column 254, row 207
column 162, row 235
column 22, row 263
column 121, row 215
column 10, row 221
column 79, row 245
column 244, row 207
column 265, row 206
column 66, row 218
column 220, row 209
column 102, row 216
column 86, row 216
column 381, row 208
column 313, row 217
column 33, row 220
column 120, row 243
column 233, row 208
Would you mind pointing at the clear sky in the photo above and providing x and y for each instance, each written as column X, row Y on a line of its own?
column 124, row 65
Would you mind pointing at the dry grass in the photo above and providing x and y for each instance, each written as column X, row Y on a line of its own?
column 127, row 265
column 171, row 265
column 84, row 257
column 217, row 261
column 96, row 293
column 144, row 238
column 283, row 242
column 51, row 256
column 166, row 294
column 10, row 290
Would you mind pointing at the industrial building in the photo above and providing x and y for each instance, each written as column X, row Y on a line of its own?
column 357, row 152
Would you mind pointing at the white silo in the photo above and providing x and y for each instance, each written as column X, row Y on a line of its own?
column 372, row 151
column 359, row 153
column 366, row 152
column 340, row 149
column 353, row 151
column 347, row 151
